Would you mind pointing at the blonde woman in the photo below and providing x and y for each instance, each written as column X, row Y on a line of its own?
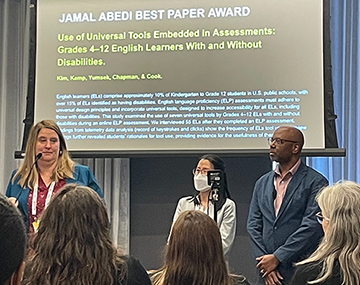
column 337, row 259
column 46, row 168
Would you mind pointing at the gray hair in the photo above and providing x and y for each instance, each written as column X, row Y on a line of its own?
column 340, row 204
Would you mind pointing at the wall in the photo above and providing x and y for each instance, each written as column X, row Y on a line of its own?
column 155, row 186
column 12, row 83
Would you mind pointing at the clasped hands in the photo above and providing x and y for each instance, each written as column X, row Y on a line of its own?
column 267, row 265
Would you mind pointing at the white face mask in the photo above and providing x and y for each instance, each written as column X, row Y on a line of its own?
column 200, row 183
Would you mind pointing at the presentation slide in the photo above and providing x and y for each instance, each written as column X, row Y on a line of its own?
column 145, row 75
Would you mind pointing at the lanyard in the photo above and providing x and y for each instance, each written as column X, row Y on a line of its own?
column 35, row 194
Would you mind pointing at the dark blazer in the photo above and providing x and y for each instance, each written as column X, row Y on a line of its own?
column 295, row 232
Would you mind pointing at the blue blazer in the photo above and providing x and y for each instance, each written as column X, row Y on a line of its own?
column 295, row 232
column 82, row 176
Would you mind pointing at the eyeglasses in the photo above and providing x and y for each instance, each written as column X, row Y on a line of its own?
column 196, row 171
column 320, row 217
column 279, row 141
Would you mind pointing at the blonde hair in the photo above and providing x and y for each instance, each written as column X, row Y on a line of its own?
column 340, row 204
column 64, row 167
column 194, row 254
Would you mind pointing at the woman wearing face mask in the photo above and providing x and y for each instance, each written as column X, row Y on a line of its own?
column 223, row 211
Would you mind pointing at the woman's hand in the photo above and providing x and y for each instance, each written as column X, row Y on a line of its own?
column 14, row 201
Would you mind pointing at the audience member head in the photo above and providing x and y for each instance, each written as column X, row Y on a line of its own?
column 73, row 241
column 12, row 243
column 194, row 254
column 211, row 162
column 286, row 145
column 340, row 210
column 45, row 137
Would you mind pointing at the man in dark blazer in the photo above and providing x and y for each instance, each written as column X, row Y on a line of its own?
column 281, row 223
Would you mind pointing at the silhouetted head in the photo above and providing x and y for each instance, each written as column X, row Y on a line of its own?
column 12, row 242
column 194, row 254
column 73, row 241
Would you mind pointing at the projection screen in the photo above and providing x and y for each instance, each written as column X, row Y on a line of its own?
column 180, row 75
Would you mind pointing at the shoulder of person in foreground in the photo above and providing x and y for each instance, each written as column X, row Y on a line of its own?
column 305, row 272
column 311, row 271
column 136, row 273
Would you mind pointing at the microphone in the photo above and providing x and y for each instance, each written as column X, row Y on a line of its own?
column 37, row 157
